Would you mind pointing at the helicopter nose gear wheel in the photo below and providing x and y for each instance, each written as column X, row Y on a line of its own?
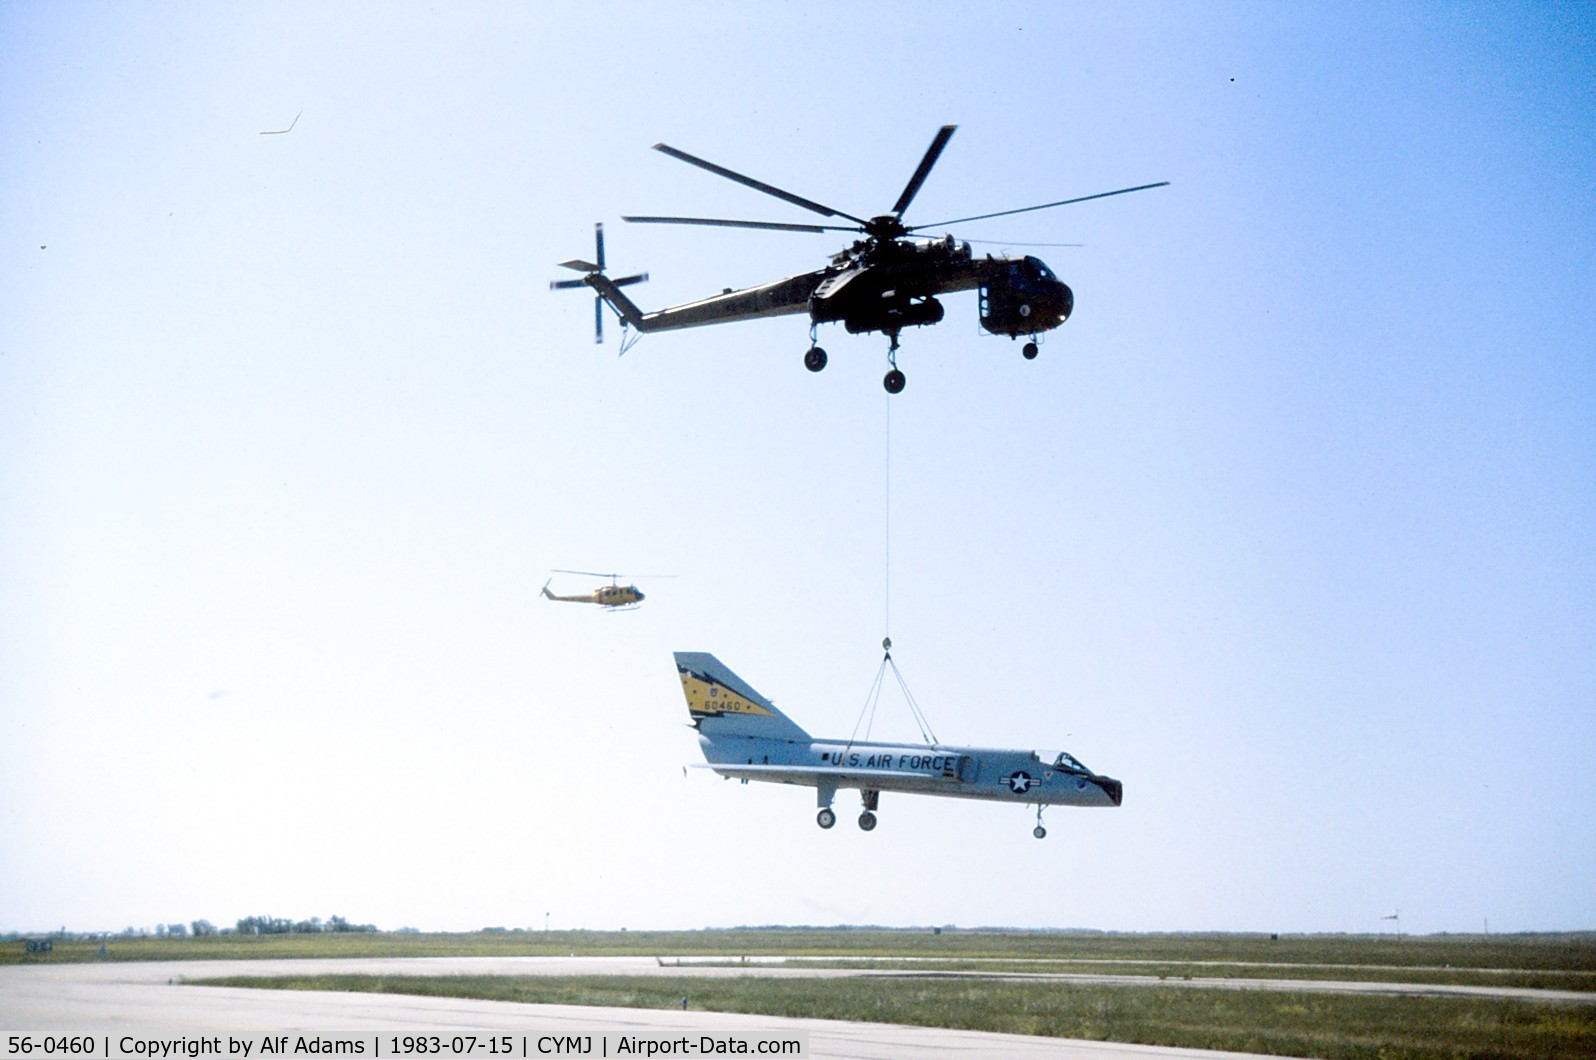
column 815, row 359
column 825, row 818
column 1029, row 351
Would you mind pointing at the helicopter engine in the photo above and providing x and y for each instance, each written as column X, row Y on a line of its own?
column 908, row 313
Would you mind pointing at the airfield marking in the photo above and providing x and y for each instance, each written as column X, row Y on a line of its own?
column 1329, row 986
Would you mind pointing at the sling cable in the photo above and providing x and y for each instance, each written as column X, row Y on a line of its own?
column 867, row 713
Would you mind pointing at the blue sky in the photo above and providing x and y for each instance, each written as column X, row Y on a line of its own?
column 1289, row 527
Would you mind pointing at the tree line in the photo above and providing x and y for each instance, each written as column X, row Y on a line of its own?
column 273, row 925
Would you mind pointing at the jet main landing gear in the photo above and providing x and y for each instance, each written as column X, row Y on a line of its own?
column 867, row 820
column 827, row 817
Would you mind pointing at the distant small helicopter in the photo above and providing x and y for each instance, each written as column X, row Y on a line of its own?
column 884, row 282
column 613, row 596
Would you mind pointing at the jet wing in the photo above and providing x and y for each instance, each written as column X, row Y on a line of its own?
column 810, row 774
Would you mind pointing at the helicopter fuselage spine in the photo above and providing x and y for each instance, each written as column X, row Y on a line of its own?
column 798, row 293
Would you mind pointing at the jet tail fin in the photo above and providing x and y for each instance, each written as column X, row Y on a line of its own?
column 723, row 704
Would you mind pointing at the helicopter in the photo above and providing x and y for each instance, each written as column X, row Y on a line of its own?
column 885, row 282
column 613, row 597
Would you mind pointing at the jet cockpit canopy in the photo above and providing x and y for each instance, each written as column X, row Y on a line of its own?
column 1063, row 762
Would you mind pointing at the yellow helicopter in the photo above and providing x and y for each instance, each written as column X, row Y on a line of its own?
column 614, row 596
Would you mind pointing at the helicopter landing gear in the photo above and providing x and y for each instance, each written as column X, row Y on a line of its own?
column 1028, row 350
column 815, row 358
column 825, row 818
column 894, row 380
column 1039, row 832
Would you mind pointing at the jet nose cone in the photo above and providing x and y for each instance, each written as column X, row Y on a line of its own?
column 1111, row 787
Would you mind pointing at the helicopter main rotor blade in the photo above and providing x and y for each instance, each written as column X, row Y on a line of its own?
column 598, row 321
column 565, row 285
column 1044, row 206
column 757, row 185
column 721, row 222
column 932, row 153
column 609, row 574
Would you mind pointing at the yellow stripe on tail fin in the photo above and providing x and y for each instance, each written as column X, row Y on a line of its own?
column 723, row 704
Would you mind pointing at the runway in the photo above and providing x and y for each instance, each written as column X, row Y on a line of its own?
column 151, row 1001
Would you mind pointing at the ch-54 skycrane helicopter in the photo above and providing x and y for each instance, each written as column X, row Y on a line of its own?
column 884, row 282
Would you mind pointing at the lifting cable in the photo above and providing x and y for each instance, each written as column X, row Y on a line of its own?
column 886, row 592
column 867, row 714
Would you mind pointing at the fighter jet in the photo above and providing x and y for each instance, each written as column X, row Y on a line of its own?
column 743, row 735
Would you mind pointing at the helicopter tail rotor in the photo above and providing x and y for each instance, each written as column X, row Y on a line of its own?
column 594, row 269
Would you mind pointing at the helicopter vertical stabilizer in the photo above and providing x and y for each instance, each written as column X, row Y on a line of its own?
column 604, row 288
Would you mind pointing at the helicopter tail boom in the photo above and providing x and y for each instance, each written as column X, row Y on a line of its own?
column 625, row 308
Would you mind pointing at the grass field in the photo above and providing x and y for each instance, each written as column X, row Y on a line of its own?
column 1293, row 1024
column 1569, row 957
column 1285, row 1024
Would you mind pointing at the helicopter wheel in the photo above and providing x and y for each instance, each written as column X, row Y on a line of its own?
column 1039, row 832
column 894, row 382
column 815, row 359
column 825, row 818
column 867, row 821
column 1029, row 350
